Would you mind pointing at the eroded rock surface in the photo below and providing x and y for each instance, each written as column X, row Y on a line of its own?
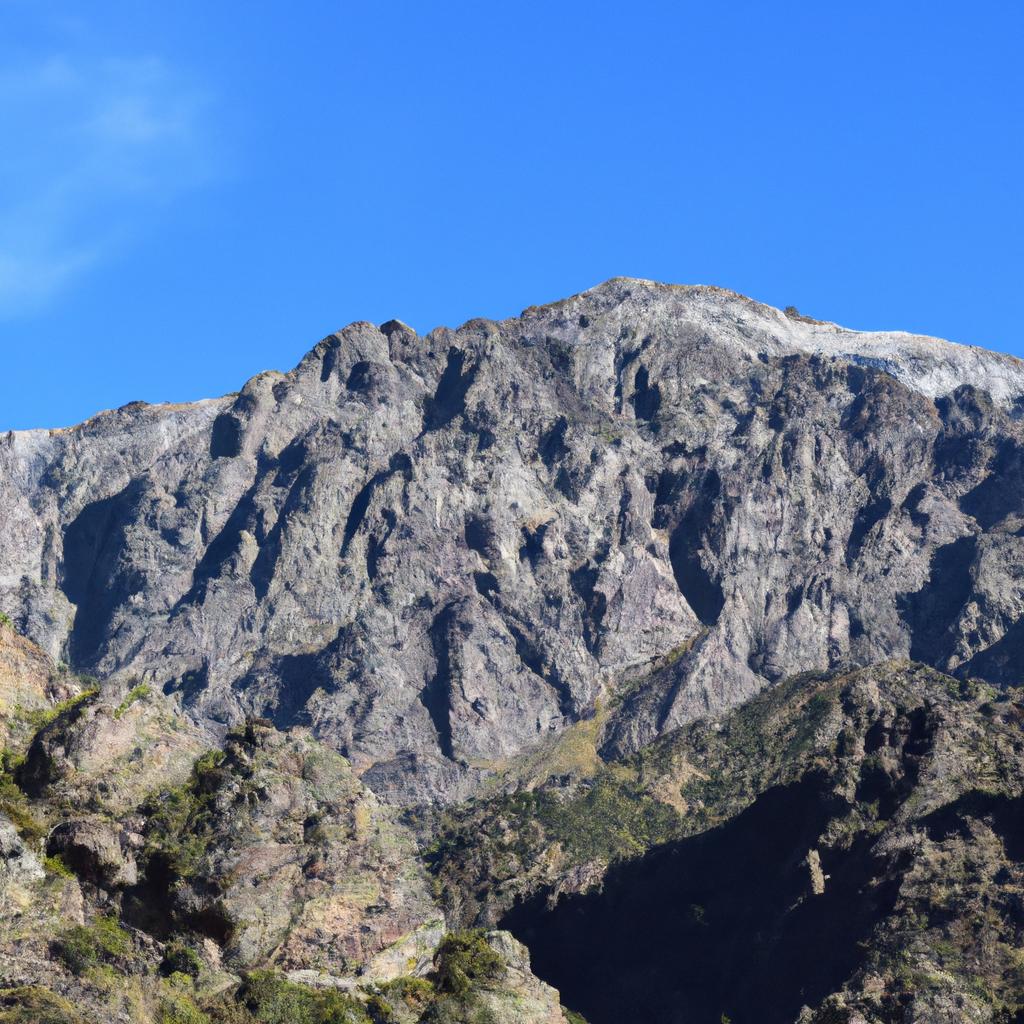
column 439, row 551
column 624, row 601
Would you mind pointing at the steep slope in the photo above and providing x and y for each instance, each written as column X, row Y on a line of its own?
column 843, row 848
column 145, row 881
column 439, row 552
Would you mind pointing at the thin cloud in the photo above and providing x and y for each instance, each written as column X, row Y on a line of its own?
column 92, row 149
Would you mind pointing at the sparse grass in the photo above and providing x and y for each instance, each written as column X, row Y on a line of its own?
column 103, row 941
column 39, row 718
column 137, row 693
column 15, row 804
column 32, row 1004
column 572, row 753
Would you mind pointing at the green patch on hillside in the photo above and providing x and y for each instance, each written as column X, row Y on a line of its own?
column 32, row 1004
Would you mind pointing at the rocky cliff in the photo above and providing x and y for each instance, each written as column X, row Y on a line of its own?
column 438, row 552
column 676, row 635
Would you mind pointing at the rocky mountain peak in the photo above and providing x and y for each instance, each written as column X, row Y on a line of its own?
column 439, row 552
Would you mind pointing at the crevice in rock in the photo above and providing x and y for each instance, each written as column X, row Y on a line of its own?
column 191, row 684
column 646, row 398
column 261, row 575
column 93, row 575
column 330, row 359
column 1001, row 662
column 703, row 593
column 595, row 603
column 534, row 660
column 298, row 677
column 552, row 447
column 486, row 584
column 866, row 519
column 449, row 400
column 226, row 543
column 436, row 696
column 479, row 536
column 532, row 548
column 912, row 505
column 623, row 360
column 362, row 376
column 226, row 437
column 1001, row 493
column 399, row 463
column 931, row 611
column 375, row 546
column 358, row 509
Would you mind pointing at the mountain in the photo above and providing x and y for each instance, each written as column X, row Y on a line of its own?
column 655, row 611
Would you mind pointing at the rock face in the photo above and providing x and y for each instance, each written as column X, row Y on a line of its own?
column 275, row 848
column 625, row 600
column 145, row 880
column 438, row 552
column 28, row 683
column 96, row 850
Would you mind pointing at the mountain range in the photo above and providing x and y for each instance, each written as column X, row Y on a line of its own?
column 656, row 637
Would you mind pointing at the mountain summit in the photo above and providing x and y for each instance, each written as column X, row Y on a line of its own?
column 654, row 654
column 440, row 552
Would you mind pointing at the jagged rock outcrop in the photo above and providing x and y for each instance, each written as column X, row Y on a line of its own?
column 436, row 552
column 97, row 850
column 29, row 685
column 276, row 850
column 264, row 883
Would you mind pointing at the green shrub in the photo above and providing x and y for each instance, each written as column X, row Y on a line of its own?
column 272, row 999
column 85, row 945
column 449, row 1010
column 380, row 1011
column 76, row 949
column 5, row 621
column 13, row 801
column 180, row 1009
column 464, row 959
column 340, row 1008
column 572, row 1017
column 178, row 819
column 56, row 865
column 140, row 692
column 30, row 1004
column 180, row 959
column 415, row 993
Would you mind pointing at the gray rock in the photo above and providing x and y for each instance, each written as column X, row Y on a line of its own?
column 17, row 862
column 97, row 850
column 436, row 552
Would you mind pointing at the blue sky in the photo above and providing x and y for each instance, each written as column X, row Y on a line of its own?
column 193, row 192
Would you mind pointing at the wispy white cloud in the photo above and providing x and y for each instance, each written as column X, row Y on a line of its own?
column 91, row 150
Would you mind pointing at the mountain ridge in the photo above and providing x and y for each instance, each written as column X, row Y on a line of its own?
column 589, row 462
column 675, row 635
column 894, row 333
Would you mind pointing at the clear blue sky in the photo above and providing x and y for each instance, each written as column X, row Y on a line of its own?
column 191, row 192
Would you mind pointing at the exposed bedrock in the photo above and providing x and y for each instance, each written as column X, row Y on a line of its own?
column 438, row 551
